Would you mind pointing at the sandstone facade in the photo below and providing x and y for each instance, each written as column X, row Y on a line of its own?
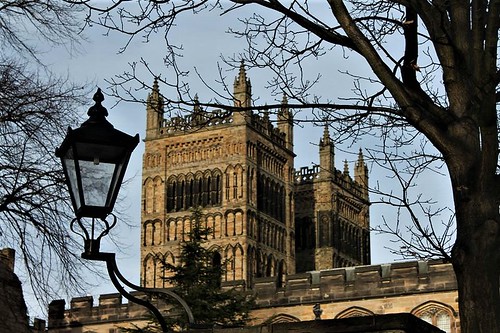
column 267, row 218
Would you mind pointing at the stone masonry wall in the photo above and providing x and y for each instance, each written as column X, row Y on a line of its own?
column 406, row 287
column 12, row 307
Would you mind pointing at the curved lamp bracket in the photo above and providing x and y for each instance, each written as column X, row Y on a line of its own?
column 92, row 230
column 117, row 278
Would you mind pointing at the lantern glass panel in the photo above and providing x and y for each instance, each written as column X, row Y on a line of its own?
column 69, row 165
column 96, row 181
column 100, row 166
column 115, row 186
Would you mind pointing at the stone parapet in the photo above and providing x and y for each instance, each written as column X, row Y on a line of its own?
column 360, row 282
column 207, row 120
column 183, row 124
column 335, row 285
column 306, row 175
column 82, row 311
column 264, row 126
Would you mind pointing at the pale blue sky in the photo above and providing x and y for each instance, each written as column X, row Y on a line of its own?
column 204, row 41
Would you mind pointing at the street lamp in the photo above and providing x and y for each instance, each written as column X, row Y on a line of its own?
column 94, row 158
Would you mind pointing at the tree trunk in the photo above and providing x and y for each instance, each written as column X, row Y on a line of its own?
column 475, row 258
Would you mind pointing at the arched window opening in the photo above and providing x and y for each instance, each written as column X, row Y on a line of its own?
column 269, row 267
column 235, row 185
column 217, row 264
column 258, row 265
column 153, row 199
column 178, row 197
column 354, row 311
column 200, row 192
column 280, row 275
column 441, row 320
column 217, row 191
column 171, row 195
column 437, row 314
column 209, row 191
column 227, row 187
column 190, row 193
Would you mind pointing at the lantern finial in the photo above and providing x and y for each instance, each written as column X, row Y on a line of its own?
column 97, row 111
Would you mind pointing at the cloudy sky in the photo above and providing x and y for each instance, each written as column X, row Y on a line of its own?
column 204, row 40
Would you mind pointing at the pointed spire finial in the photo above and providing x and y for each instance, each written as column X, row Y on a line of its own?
column 361, row 159
column 326, row 140
column 284, row 100
column 242, row 75
column 346, row 168
column 197, row 111
column 155, row 90
column 155, row 84
column 284, row 112
column 326, row 134
column 242, row 88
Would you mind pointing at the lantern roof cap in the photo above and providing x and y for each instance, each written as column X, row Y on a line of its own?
column 98, row 130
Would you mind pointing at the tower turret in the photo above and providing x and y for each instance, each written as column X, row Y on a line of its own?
column 197, row 115
column 326, row 154
column 242, row 88
column 285, row 123
column 361, row 173
column 154, row 111
column 346, row 168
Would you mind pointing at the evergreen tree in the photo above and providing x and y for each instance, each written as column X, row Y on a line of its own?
column 197, row 278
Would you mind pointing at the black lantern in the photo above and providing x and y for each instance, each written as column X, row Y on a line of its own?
column 94, row 158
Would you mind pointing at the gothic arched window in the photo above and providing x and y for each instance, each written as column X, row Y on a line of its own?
column 354, row 311
column 216, row 264
column 440, row 315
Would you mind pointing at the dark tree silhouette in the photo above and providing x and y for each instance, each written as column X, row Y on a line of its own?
column 36, row 108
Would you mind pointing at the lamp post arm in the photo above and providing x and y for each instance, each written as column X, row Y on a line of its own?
column 159, row 291
column 112, row 270
column 117, row 277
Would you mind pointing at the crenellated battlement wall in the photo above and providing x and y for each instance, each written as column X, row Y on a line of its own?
column 195, row 120
column 359, row 282
column 306, row 175
column 299, row 290
column 265, row 127
column 207, row 120
column 218, row 117
column 110, row 308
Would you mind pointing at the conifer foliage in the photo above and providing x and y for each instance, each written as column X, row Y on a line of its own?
column 197, row 278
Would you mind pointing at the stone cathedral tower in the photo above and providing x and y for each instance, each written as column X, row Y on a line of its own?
column 331, row 213
column 239, row 169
